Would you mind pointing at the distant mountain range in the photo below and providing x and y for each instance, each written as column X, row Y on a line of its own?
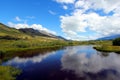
column 109, row 37
column 12, row 33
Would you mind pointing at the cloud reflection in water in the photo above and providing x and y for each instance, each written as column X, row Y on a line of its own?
column 23, row 61
column 84, row 66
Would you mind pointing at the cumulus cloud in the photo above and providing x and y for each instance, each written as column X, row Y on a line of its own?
column 102, row 25
column 106, row 5
column 65, row 1
column 34, row 26
column 99, row 16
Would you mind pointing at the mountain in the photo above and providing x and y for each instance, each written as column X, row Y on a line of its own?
column 109, row 37
column 59, row 37
column 7, row 32
column 33, row 32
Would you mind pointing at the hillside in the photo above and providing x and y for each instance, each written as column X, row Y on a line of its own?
column 7, row 32
column 24, row 33
column 32, row 32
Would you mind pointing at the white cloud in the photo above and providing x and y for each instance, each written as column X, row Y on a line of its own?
column 17, row 18
column 65, row 1
column 102, row 25
column 74, row 23
column 79, row 3
column 106, row 5
column 34, row 26
column 52, row 12
column 85, row 15
column 65, row 7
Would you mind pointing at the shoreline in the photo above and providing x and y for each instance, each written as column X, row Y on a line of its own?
column 115, row 49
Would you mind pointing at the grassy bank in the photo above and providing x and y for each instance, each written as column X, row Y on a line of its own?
column 12, row 46
column 16, row 46
column 106, row 46
column 8, row 73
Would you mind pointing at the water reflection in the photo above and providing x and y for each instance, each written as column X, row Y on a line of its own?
column 92, row 67
column 27, row 61
column 71, row 63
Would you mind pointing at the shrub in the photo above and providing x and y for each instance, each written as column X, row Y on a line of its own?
column 116, row 42
column 22, row 44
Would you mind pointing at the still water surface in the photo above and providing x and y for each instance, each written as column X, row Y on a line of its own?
column 70, row 63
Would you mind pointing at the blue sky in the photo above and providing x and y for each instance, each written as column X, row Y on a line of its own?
column 73, row 19
column 38, row 9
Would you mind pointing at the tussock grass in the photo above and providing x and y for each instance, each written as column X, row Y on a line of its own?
column 8, row 73
column 11, row 46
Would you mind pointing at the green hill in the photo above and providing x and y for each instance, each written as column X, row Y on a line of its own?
column 11, row 33
column 24, row 33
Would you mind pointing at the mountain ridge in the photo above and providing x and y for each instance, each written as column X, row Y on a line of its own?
column 6, row 31
column 109, row 37
column 33, row 32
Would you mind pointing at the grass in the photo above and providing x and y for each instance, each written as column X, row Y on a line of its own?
column 106, row 46
column 14, row 46
column 8, row 73
column 10, row 47
column 37, row 42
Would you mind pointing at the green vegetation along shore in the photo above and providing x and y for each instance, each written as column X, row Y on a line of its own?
column 8, row 48
column 109, row 46
column 8, row 73
column 13, row 46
